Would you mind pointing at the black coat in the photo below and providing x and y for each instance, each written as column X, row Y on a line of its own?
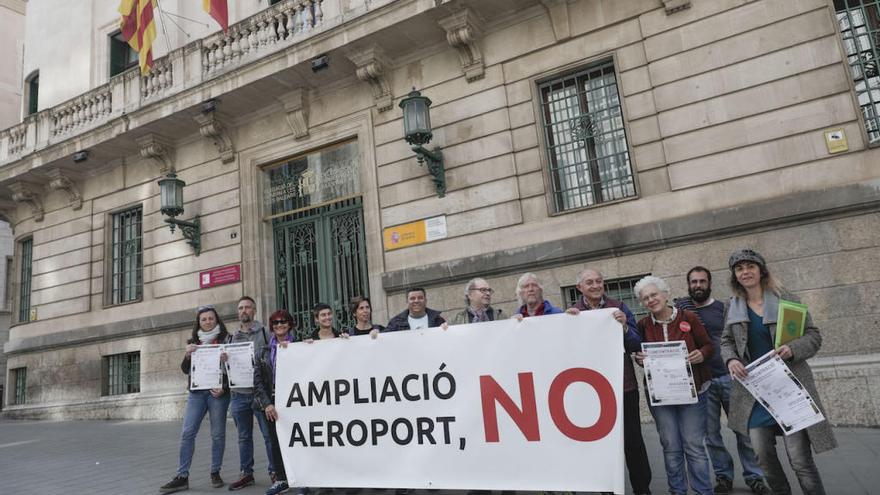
column 401, row 321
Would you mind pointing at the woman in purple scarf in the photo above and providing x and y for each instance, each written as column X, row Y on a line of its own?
column 282, row 325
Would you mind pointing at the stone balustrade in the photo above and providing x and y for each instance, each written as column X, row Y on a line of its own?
column 275, row 28
column 283, row 24
column 82, row 112
column 160, row 79
column 17, row 138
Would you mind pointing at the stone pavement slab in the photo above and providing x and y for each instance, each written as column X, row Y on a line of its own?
column 136, row 457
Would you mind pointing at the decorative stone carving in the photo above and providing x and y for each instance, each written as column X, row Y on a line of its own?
column 211, row 127
column 371, row 65
column 463, row 30
column 159, row 150
column 673, row 6
column 60, row 182
column 22, row 193
column 7, row 212
column 296, row 106
column 558, row 12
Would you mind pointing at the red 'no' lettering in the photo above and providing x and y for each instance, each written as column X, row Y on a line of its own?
column 526, row 417
column 607, row 404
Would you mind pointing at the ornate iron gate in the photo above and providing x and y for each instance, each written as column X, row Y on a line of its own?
column 320, row 256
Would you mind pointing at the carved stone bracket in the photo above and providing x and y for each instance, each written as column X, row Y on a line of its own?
column 558, row 12
column 159, row 150
column 371, row 64
column 211, row 127
column 60, row 182
column 463, row 30
column 673, row 6
column 296, row 106
column 7, row 212
column 22, row 193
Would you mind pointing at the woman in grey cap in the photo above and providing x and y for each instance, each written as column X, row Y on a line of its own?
column 749, row 333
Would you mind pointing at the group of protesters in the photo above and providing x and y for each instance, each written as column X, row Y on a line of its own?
column 722, row 338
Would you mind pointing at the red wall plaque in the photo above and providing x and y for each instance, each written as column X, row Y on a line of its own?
column 220, row 276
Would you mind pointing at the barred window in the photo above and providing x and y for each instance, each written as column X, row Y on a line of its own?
column 127, row 256
column 586, row 140
column 26, row 248
column 617, row 288
column 19, row 378
column 122, row 373
column 859, row 22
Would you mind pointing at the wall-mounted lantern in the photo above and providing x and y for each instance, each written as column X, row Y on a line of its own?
column 417, row 132
column 171, row 193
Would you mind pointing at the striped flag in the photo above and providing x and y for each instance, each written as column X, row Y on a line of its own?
column 139, row 29
column 219, row 11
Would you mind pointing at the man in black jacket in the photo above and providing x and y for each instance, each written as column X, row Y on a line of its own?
column 417, row 314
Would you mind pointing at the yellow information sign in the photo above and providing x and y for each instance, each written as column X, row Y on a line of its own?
column 414, row 233
column 835, row 139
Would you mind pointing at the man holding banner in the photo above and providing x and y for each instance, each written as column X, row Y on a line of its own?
column 459, row 409
column 591, row 285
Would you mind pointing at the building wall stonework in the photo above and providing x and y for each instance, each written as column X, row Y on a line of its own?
column 724, row 105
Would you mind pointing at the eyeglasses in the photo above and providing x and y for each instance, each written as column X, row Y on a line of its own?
column 279, row 322
column 485, row 290
column 204, row 308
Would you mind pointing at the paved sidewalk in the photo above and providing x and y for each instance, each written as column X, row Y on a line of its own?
column 136, row 457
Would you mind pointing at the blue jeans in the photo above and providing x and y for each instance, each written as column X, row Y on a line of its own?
column 243, row 412
column 718, row 398
column 199, row 403
column 682, row 430
column 797, row 446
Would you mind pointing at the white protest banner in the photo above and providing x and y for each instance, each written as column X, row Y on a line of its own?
column 533, row 405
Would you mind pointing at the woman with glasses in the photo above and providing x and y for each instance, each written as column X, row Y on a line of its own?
column 362, row 311
column 477, row 296
column 681, row 427
column 282, row 325
column 208, row 329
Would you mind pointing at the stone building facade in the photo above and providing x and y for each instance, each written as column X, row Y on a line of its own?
column 635, row 136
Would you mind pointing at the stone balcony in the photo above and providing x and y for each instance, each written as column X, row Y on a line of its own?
column 262, row 61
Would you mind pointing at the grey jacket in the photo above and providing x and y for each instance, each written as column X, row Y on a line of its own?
column 734, row 345
column 465, row 316
column 260, row 337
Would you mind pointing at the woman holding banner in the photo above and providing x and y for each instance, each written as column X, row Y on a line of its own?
column 208, row 329
column 281, row 323
column 749, row 333
column 323, row 313
column 681, row 427
column 362, row 310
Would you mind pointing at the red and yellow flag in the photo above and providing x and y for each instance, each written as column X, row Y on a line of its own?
column 139, row 29
column 219, row 11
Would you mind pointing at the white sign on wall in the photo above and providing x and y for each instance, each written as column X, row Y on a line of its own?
column 504, row 405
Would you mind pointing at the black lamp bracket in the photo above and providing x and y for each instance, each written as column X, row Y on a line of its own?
column 191, row 231
column 434, row 160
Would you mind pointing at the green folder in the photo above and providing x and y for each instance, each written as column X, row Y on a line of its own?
column 790, row 321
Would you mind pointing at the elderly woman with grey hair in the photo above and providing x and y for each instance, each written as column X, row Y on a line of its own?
column 477, row 296
column 749, row 333
column 681, row 427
